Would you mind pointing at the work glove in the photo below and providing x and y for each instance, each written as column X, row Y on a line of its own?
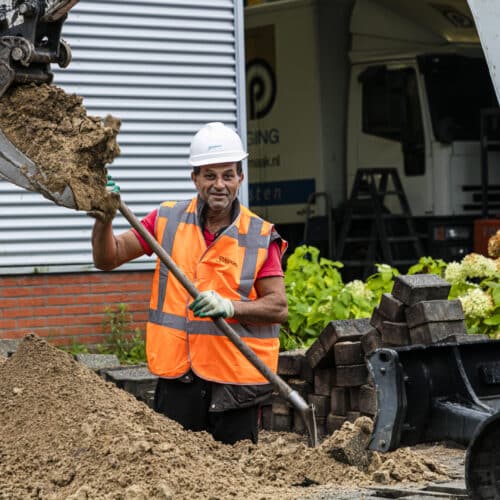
column 211, row 304
column 107, row 213
column 111, row 186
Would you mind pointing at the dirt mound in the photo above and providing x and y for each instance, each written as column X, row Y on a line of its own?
column 52, row 128
column 66, row 433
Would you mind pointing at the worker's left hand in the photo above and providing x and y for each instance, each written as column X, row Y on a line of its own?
column 211, row 304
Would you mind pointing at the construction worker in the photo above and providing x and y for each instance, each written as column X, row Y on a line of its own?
column 233, row 257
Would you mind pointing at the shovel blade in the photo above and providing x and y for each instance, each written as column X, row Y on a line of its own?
column 309, row 419
column 18, row 169
column 308, row 415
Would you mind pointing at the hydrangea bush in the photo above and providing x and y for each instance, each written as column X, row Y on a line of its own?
column 317, row 294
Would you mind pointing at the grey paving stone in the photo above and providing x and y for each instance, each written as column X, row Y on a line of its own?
column 303, row 387
column 136, row 379
column 324, row 380
column 321, row 404
column 343, row 330
column 8, row 347
column 434, row 310
column 351, row 375
column 320, row 354
column 395, row 333
column 411, row 289
column 290, row 362
column 367, row 399
column 281, row 423
column 392, row 308
column 377, row 319
column 371, row 340
column 430, row 333
column 98, row 361
column 348, row 353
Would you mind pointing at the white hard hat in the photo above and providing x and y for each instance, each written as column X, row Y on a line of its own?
column 216, row 143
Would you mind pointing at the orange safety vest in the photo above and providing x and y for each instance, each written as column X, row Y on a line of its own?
column 178, row 341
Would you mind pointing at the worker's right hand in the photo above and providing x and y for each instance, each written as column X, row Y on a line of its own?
column 112, row 186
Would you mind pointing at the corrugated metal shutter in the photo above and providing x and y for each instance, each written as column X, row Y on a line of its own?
column 164, row 68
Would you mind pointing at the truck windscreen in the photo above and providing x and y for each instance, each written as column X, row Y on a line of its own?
column 458, row 87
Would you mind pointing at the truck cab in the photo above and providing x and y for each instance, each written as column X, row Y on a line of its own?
column 370, row 84
column 415, row 101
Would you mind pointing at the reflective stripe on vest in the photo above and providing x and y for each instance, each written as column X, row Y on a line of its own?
column 177, row 340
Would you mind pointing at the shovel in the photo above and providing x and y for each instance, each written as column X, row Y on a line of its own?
column 18, row 169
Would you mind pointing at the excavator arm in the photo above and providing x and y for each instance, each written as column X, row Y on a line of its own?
column 30, row 40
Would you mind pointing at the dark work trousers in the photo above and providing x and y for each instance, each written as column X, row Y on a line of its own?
column 189, row 402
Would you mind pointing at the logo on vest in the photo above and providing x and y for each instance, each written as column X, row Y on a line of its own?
column 225, row 260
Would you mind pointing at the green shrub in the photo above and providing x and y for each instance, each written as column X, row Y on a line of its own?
column 317, row 295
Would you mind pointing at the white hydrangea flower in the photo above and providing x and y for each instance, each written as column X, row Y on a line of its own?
column 325, row 308
column 453, row 273
column 358, row 288
column 475, row 265
column 476, row 303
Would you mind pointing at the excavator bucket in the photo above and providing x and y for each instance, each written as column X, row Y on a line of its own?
column 442, row 392
column 17, row 168
column 30, row 41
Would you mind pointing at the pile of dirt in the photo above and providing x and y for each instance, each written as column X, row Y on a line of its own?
column 66, row 433
column 52, row 128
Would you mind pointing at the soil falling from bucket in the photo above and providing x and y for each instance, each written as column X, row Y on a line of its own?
column 68, row 146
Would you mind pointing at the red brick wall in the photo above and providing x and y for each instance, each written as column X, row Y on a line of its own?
column 70, row 308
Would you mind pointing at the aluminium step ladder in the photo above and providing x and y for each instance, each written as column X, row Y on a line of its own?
column 369, row 233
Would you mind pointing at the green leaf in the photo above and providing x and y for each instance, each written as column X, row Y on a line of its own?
column 493, row 320
column 496, row 296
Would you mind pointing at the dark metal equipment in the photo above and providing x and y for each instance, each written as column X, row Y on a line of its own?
column 442, row 392
column 30, row 40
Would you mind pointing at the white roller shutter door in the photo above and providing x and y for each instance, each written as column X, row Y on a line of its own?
column 164, row 68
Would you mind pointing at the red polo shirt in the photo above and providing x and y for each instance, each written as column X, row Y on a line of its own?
column 272, row 266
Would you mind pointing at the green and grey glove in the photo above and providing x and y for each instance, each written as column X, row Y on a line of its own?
column 112, row 186
column 211, row 304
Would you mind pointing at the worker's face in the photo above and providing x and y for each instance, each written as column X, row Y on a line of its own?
column 218, row 184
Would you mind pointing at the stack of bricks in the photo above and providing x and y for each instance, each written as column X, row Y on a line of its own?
column 278, row 415
column 340, row 371
column 416, row 312
column 329, row 375
column 333, row 374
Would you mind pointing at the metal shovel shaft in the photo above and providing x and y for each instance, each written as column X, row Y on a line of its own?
column 307, row 412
